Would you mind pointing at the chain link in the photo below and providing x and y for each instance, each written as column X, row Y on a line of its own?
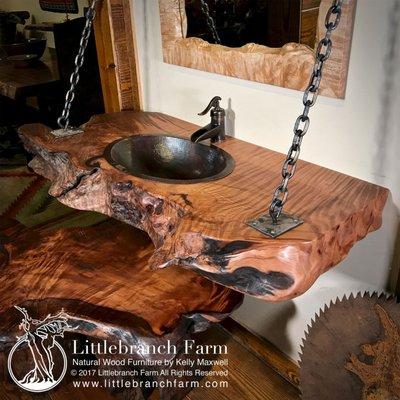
column 302, row 123
column 210, row 21
column 63, row 120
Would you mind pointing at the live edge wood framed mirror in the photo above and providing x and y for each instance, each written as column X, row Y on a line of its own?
column 267, row 41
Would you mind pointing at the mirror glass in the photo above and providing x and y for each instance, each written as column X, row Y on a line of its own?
column 266, row 41
column 271, row 23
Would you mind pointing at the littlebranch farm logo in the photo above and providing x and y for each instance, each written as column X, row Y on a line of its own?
column 37, row 362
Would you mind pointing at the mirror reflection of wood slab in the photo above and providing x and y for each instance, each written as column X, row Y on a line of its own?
column 266, row 41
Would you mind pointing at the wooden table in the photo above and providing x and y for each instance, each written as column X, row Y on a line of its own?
column 19, row 83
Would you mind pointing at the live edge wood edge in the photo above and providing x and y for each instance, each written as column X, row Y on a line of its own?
column 202, row 226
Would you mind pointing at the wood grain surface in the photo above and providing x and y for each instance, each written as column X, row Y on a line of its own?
column 103, row 293
column 117, row 54
column 264, row 350
column 83, row 265
column 203, row 226
column 249, row 377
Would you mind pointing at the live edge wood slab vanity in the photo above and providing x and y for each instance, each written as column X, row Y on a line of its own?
column 199, row 254
column 202, row 226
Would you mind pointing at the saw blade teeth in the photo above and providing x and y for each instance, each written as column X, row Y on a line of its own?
column 300, row 355
column 331, row 331
column 299, row 362
column 306, row 334
column 392, row 297
column 385, row 295
column 389, row 296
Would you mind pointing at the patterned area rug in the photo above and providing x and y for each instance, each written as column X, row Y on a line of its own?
column 24, row 197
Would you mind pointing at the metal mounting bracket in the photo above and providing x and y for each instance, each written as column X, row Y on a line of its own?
column 60, row 133
column 264, row 224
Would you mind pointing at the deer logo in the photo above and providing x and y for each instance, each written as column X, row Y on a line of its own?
column 39, row 343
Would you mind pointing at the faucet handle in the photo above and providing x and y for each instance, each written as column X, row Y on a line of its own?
column 213, row 103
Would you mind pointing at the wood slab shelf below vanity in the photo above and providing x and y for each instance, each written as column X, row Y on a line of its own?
column 202, row 226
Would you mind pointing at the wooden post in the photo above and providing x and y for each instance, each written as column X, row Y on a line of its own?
column 117, row 55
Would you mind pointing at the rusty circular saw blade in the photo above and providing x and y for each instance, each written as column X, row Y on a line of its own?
column 351, row 350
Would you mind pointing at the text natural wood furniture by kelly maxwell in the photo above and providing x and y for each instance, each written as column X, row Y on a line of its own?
column 202, row 226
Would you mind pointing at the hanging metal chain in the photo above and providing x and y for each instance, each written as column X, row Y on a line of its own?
column 303, row 121
column 63, row 120
column 210, row 21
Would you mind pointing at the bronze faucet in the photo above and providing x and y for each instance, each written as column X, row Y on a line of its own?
column 215, row 130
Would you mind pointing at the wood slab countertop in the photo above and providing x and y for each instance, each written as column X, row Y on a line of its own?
column 202, row 226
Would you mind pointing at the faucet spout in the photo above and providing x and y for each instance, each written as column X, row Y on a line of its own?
column 204, row 133
column 215, row 130
column 216, row 134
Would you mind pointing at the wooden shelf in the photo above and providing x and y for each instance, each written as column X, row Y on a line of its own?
column 203, row 226
column 81, row 267
column 103, row 294
column 44, row 26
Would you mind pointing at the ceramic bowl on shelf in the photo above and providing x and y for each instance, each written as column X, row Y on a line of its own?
column 35, row 46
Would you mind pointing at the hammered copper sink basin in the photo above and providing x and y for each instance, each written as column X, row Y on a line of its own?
column 169, row 159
